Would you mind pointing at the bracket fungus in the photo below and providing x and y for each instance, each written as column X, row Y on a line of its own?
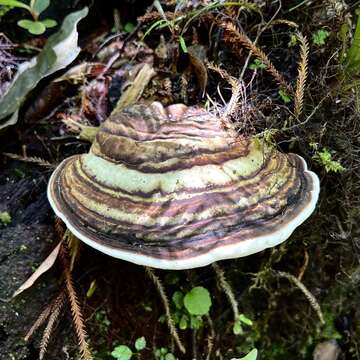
column 173, row 188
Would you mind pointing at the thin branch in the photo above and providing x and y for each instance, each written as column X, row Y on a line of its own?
column 170, row 321
column 227, row 289
column 312, row 300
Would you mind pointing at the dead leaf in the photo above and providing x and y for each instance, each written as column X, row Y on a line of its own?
column 45, row 266
column 197, row 56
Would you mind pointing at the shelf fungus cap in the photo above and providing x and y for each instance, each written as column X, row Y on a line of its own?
column 171, row 188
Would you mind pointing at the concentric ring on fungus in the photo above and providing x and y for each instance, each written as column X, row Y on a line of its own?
column 171, row 188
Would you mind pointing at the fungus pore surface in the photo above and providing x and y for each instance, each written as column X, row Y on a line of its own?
column 172, row 188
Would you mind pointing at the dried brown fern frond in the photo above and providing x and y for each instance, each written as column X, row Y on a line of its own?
column 39, row 321
column 30, row 159
column 235, row 37
column 56, row 307
column 302, row 75
column 75, row 309
column 170, row 321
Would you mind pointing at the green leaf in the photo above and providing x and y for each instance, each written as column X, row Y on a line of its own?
column 15, row 3
column 25, row 24
column 183, row 323
column 91, row 289
column 122, row 352
column 33, row 27
column 237, row 328
column 319, row 37
column 129, row 27
column 257, row 64
column 49, row 23
column 196, row 322
column 59, row 51
column 178, row 299
column 170, row 356
column 38, row 6
column 5, row 217
column 252, row 355
column 245, row 320
column 140, row 343
column 284, row 96
column 198, row 301
column 183, row 44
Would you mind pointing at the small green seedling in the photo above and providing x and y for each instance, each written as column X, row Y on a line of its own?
column 257, row 65
column 319, row 37
column 35, row 8
column 191, row 307
column 237, row 327
column 164, row 354
column 285, row 97
column 324, row 158
column 123, row 352
column 5, row 218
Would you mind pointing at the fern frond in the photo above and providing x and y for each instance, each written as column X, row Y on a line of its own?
column 30, row 159
column 55, row 312
column 39, row 321
column 302, row 75
column 235, row 37
column 75, row 309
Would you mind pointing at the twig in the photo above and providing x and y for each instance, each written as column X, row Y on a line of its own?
column 227, row 289
column 170, row 321
column 210, row 338
column 313, row 302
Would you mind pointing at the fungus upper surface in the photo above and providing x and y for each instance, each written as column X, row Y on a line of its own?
column 172, row 188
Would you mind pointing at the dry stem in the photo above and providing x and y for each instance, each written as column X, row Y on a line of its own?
column 313, row 302
column 165, row 301
column 227, row 289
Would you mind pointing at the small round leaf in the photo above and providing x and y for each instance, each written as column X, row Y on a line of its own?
column 49, row 23
column 140, row 343
column 122, row 352
column 25, row 24
column 197, row 301
column 170, row 356
column 183, row 324
column 178, row 299
column 237, row 328
column 33, row 27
